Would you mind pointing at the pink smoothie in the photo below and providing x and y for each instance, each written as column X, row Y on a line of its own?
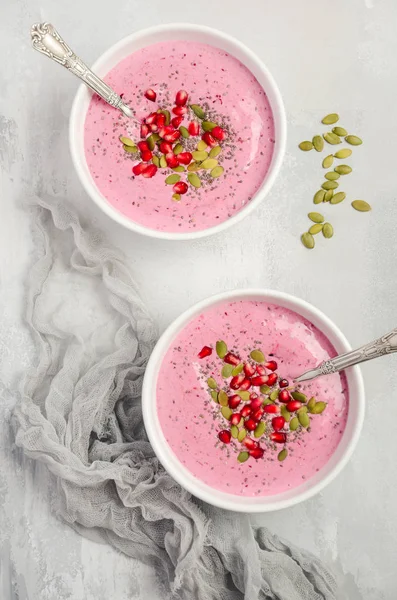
column 230, row 96
column 191, row 420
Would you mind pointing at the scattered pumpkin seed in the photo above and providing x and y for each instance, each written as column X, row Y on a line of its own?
column 338, row 197
column 163, row 162
column 274, row 395
column 294, row 424
column 194, row 180
column 227, row 371
column 332, row 175
column 151, row 142
column 242, row 457
column 178, row 169
column 237, row 370
column 341, row 131
column 330, row 185
column 328, row 195
column 361, row 205
column 226, row 412
column 214, row 395
column 282, row 455
column 171, row 179
column 318, row 143
column 221, row 350
column 184, row 132
column 126, row 141
column 201, row 145
column 328, row 230
column 260, row 429
column 194, row 166
column 222, row 398
column 344, row 153
column 331, row 138
column 327, row 162
column 178, row 149
column 319, row 197
column 241, row 434
column 304, row 419
column 200, row 155
column 176, row 197
column 353, row 140
column 310, row 404
column 308, row 240
column 265, row 389
column 215, row 151
column 167, row 115
column 330, row 119
column 257, row 356
column 156, row 161
column 285, row 413
column 209, row 163
column 216, row 171
column 130, row 149
column 319, row 407
column 212, row 383
column 244, row 395
column 208, row 125
column 198, row 111
column 314, row 229
column 299, row 396
column 302, row 409
column 306, row 146
column 316, row 217
column 343, row 169
column 234, row 431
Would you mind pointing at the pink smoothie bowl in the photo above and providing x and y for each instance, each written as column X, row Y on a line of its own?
column 141, row 39
column 240, row 503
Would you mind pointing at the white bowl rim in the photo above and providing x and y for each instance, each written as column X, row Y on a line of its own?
column 164, row 452
column 270, row 177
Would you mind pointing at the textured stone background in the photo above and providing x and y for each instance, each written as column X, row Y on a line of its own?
column 325, row 56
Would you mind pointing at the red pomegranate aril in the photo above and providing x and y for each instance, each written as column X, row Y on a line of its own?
column 208, row 139
column 184, row 158
column 237, row 381
column 259, row 380
column 250, row 424
column 234, row 401
column 245, row 385
column 152, row 118
column 149, row 171
column 225, row 436
column 258, row 414
column 249, row 369
column 271, row 409
column 218, row 133
column 172, row 160
column 146, row 156
column 150, row 95
column 144, row 130
column 246, row 411
column 204, row 352
column 165, row 147
column 250, row 443
column 163, row 131
column 255, row 403
column 294, row 405
column 176, row 121
column 278, row 423
column 153, row 127
column 181, row 98
column 160, row 120
column 272, row 378
column 278, row 437
column 284, row 396
column 260, row 369
column 257, row 453
column 139, row 168
column 143, row 146
column 283, row 383
column 271, row 365
column 180, row 187
column 231, row 359
column 172, row 137
column 235, row 418
column 194, row 128
column 179, row 111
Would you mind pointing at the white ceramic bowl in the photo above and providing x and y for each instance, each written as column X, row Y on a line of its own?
column 239, row 503
column 144, row 38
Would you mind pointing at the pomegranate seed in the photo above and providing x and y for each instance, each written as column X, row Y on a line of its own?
column 152, row 118
column 225, row 436
column 237, row 381
column 139, row 168
column 172, row 137
column 278, row 437
column 181, row 98
column 234, row 401
column 272, row 378
column 208, row 139
column 153, row 127
column 260, row 369
column 231, row 359
column 146, row 156
column 165, row 147
column 172, row 160
column 144, row 130
column 149, row 171
column 249, row 369
column 184, row 158
column 246, row 384
column 259, row 380
column 143, row 146
column 257, row 453
column 271, row 365
column 284, row 396
column 180, row 187
column 235, row 418
column 165, row 130
column 194, row 128
column 150, row 95
column 250, row 443
column 258, row 414
column 160, row 120
column 246, row 411
column 179, row 111
column 176, row 121
column 253, row 396
column 255, row 403
column 204, row 352
column 278, row 423
column 283, row 383
column 218, row 133
column 250, row 424
column 271, row 408
column 293, row 405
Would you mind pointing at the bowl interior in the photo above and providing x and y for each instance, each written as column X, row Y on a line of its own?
column 230, row 501
column 166, row 33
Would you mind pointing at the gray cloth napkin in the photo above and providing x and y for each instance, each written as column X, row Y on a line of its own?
column 80, row 414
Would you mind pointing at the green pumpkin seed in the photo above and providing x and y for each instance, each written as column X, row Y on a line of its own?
column 215, row 151
column 178, row 149
column 341, row 131
column 156, row 161
column 194, row 180
column 163, row 162
column 242, row 457
column 344, row 153
column 171, row 179
column 198, row 111
column 176, row 197
column 242, row 434
column 361, row 205
column 306, row 146
column 308, row 240
column 319, row 407
column 285, row 413
column 330, row 185
column 332, row 175
column 265, row 389
column 319, row 197
column 201, row 145
column 151, row 142
column 223, row 398
column 197, row 155
column 282, row 455
column 331, row 138
column 208, row 125
column 209, row 163
column 310, row 404
column 353, row 140
column 227, row 371
column 318, row 143
column 328, row 230
column 316, row 217
column 184, row 132
column 214, row 395
column 212, row 383
column 257, row 356
column 274, row 395
column 337, row 198
column 328, row 195
column 302, row 409
column 226, row 412
column 217, row 171
column 294, row 424
column 327, row 162
column 130, row 149
column 330, row 119
column 314, row 229
column 267, row 401
column 167, row 115
column 237, row 370
column 299, row 396
column 194, row 166
column 260, row 429
column 178, row 169
column 244, row 395
column 304, row 419
column 126, row 141
column 234, row 431
column 221, row 350
column 343, row 169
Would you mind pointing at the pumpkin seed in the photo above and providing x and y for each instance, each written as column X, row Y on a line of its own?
column 241, row 434
column 208, row 125
column 214, row 395
column 176, row 197
column 184, row 132
column 302, row 409
column 361, row 205
column 194, row 166
column 304, row 419
column 328, row 195
column 318, row 143
column 167, row 115
column 198, row 111
column 337, row 198
column 197, row 155
column 242, row 457
column 215, row 151
column 163, row 162
column 178, row 169
column 212, row 383
column 285, row 413
column 194, row 180
column 130, row 149
column 217, row 171
column 331, row 138
column 226, row 412
column 178, row 149
column 267, row 401
column 260, row 429
column 227, row 371
column 223, row 398
column 234, row 431
column 328, row 230
column 316, row 217
column 341, row 131
column 353, row 140
column 307, row 240
column 319, row 197
column 344, row 153
column 327, row 162
column 332, row 175
column 330, row 185
column 237, row 370
column 314, row 229
column 209, row 163
column 299, row 396
column 310, row 404
column 265, row 389
column 330, row 119
column 171, row 179
column 305, row 146
column 221, row 350
column 156, row 161
column 151, row 142
column 244, row 395
column 343, row 169
column 274, row 395
column 294, row 424
column 201, row 145
column 126, row 141
column 257, row 356
column 319, row 407
column 282, row 455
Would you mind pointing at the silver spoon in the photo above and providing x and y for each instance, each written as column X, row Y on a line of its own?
column 46, row 39
column 386, row 344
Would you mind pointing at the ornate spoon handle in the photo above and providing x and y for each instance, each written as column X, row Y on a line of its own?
column 386, row 344
column 46, row 39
